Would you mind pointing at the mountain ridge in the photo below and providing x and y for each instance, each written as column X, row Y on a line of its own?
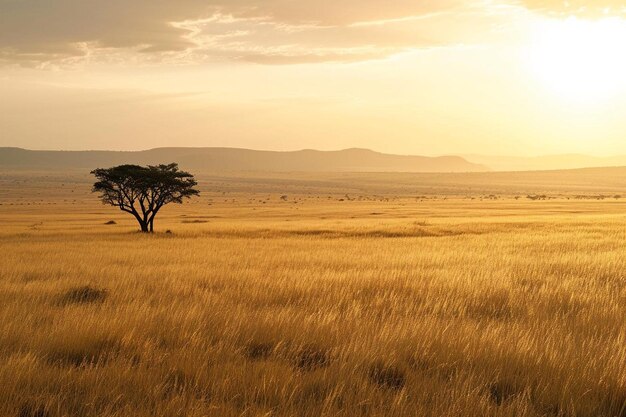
column 238, row 159
column 546, row 162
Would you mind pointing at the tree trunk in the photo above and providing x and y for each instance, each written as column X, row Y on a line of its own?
column 151, row 219
column 144, row 227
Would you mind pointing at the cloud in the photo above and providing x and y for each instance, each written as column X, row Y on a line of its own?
column 265, row 31
column 581, row 8
column 48, row 29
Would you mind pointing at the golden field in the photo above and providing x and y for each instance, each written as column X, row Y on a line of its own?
column 344, row 298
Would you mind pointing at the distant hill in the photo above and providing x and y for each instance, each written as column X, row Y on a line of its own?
column 232, row 159
column 547, row 162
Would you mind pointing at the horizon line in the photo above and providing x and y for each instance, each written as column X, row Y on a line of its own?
column 355, row 148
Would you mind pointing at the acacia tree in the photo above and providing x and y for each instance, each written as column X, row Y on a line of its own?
column 143, row 191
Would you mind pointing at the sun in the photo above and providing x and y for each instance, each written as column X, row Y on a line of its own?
column 581, row 60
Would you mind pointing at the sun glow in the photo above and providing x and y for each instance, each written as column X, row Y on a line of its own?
column 582, row 60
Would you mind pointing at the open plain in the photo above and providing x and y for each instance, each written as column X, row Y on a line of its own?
column 345, row 295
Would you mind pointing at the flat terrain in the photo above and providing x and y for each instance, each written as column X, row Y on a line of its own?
column 353, row 295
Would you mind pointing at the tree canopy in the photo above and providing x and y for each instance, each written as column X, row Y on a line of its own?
column 143, row 191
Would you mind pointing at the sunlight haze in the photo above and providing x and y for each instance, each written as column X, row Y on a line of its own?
column 455, row 77
column 330, row 208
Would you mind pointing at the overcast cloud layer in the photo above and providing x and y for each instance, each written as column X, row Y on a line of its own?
column 264, row 31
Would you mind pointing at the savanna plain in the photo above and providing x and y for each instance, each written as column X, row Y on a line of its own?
column 339, row 295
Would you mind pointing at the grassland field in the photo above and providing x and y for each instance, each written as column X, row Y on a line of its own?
column 335, row 295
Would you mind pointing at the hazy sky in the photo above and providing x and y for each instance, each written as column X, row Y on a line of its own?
column 515, row 77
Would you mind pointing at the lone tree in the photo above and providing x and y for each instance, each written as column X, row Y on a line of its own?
column 142, row 191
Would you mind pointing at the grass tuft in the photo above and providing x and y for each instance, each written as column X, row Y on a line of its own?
column 387, row 376
column 81, row 352
column 258, row 350
column 501, row 392
column 176, row 383
column 33, row 410
column 83, row 295
column 310, row 358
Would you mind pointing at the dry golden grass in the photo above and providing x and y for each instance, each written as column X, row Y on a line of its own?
column 256, row 306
